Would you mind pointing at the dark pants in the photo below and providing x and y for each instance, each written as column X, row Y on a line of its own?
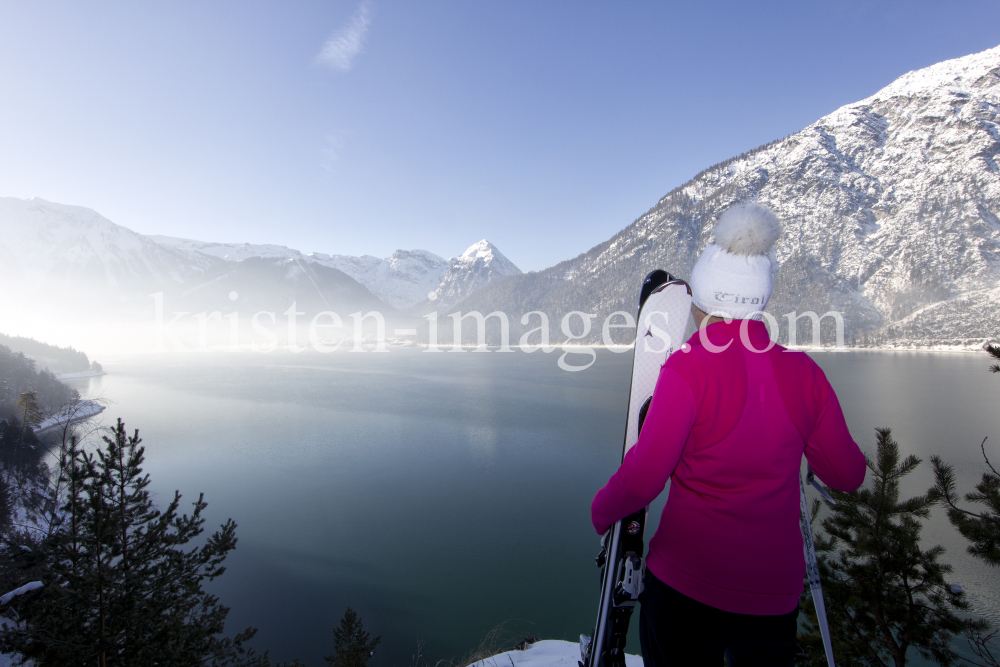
column 676, row 631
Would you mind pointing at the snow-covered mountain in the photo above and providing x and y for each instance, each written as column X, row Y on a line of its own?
column 402, row 280
column 890, row 209
column 481, row 264
column 49, row 248
column 73, row 261
column 71, row 257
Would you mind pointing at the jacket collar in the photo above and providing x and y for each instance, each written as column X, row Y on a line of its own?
column 719, row 333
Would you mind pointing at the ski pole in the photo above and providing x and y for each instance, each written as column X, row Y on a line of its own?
column 812, row 569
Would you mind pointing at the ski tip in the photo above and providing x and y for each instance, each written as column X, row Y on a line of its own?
column 655, row 280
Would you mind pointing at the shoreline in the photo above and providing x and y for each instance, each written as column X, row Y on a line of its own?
column 79, row 374
column 573, row 348
column 71, row 413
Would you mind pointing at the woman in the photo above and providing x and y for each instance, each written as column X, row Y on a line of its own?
column 731, row 416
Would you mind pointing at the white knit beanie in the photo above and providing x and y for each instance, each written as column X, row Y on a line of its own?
column 733, row 276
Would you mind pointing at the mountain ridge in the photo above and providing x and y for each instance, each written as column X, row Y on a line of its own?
column 74, row 260
column 890, row 212
column 890, row 207
column 403, row 280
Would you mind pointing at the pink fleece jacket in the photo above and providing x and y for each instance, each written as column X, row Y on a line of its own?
column 728, row 428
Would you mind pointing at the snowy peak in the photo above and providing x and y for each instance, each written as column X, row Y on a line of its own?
column 486, row 256
column 69, row 259
column 961, row 75
column 482, row 249
column 49, row 250
column 490, row 256
column 409, row 277
column 481, row 264
column 401, row 280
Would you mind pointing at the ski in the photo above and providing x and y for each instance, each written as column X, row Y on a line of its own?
column 664, row 309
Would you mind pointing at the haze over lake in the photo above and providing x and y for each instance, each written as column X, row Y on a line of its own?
column 442, row 495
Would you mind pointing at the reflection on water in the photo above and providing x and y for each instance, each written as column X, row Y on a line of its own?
column 483, row 441
column 441, row 495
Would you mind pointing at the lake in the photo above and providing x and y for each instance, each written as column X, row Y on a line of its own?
column 443, row 495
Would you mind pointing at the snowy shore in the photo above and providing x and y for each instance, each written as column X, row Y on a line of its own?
column 79, row 374
column 70, row 414
column 547, row 653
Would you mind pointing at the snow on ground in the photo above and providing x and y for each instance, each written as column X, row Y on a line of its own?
column 70, row 413
column 547, row 653
column 7, row 659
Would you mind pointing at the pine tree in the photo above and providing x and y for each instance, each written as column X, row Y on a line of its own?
column 994, row 351
column 120, row 586
column 884, row 594
column 22, row 463
column 981, row 528
column 351, row 644
column 28, row 411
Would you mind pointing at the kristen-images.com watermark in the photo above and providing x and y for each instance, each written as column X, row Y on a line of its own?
column 368, row 332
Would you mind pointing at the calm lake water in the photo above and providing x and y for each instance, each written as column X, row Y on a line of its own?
column 442, row 495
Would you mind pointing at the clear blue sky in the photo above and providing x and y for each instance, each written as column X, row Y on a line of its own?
column 361, row 128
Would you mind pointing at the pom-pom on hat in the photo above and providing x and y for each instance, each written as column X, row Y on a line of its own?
column 733, row 276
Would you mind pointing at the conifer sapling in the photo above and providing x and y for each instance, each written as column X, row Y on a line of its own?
column 885, row 595
column 351, row 644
